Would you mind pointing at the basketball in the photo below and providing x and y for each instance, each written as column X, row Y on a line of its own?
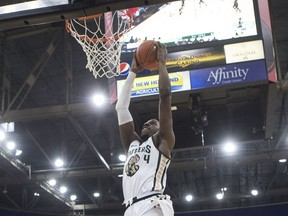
column 146, row 55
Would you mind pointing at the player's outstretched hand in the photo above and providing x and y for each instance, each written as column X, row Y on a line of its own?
column 161, row 52
column 135, row 67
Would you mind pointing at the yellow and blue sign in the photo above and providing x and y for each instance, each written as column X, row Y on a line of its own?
column 144, row 86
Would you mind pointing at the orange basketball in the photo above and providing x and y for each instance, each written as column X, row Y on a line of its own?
column 146, row 55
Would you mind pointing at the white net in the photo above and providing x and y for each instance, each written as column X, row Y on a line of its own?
column 101, row 41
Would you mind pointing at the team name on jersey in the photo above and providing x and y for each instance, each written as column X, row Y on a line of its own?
column 146, row 149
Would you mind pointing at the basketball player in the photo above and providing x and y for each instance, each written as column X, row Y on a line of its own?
column 235, row 6
column 148, row 154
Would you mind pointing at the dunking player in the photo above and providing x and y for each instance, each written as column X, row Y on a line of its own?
column 148, row 154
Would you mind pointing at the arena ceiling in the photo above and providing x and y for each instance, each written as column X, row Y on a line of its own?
column 46, row 89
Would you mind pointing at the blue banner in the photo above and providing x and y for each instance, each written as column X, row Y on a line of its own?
column 228, row 75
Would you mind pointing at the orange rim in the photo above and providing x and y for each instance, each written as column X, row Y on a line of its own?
column 85, row 37
column 90, row 17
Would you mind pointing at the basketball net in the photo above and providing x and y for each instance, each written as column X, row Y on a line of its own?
column 102, row 47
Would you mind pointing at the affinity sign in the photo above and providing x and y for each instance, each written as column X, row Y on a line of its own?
column 228, row 74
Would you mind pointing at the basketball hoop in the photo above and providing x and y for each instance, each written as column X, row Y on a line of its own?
column 102, row 47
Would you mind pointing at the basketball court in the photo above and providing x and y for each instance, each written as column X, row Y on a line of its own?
column 225, row 64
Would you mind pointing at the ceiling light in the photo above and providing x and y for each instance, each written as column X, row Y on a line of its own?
column 122, row 158
column 224, row 189
column 36, row 194
column 229, row 147
column 189, row 197
column 73, row 197
column 98, row 99
column 254, row 192
column 18, row 152
column 59, row 163
column 10, row 145
column 120, row 175
column 63, row 189
column 96, row 194
column 52, row 182
column 282, row 160
column 219, row 196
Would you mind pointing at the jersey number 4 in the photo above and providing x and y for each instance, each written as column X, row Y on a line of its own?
column 147, row 158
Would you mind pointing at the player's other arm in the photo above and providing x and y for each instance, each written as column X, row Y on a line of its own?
column 125, row 120
column 166, row 134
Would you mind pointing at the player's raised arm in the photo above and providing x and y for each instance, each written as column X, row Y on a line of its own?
column 125, row 120
column 166, row 135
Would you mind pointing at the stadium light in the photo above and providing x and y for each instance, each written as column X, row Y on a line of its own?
column 63, row 189
column 98, row 99
column 52, row 182
column 229, row 146
column 189, row 198
column 96, row 194
column 122, row 157
column 254, row 192
column 73, row 197
column 219, row 196
column 18, row 152
column 59, row 162
column 10, row 145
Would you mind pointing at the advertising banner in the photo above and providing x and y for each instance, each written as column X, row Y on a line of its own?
column 196, row 58
column 148, row 85
column 228, row 75
column 233, row 74
column 243, row 52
